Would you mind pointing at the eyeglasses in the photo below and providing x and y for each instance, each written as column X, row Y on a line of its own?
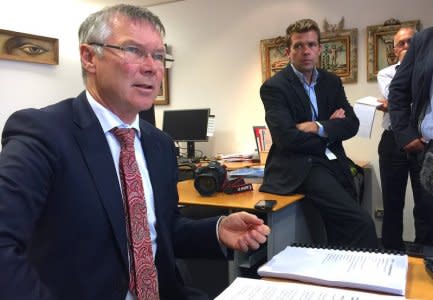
column 401, row 43
column 136, row 55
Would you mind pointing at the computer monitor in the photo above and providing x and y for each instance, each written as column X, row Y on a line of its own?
column 187, row 125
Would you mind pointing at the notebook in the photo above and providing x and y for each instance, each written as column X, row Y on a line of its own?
column 380, row 272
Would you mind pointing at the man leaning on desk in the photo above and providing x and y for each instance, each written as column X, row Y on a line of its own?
column 88, row 192
column 309, row 116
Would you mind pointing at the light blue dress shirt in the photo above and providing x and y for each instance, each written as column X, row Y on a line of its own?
column 311, row 93
column 427, row 122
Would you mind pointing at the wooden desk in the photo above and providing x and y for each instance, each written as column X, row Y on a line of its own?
column 246, row 200
column 419, row 283
column 234, row 165
column 292, row 219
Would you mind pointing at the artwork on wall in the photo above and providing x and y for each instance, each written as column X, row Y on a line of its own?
column 380, row 45
column 28, row 47
column 163, row 96
column 339, row 51
column 273, row 56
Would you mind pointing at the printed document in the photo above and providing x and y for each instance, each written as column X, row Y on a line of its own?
column 254, row 289
column 381, row 272
column 365, row 108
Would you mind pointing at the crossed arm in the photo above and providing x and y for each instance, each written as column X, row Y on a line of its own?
column 313, row 127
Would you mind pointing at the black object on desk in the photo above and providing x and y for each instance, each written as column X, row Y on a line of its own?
column 265, row 205
column 419, row 250
column 428, row 262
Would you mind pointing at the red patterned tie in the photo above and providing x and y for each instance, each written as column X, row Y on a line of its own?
column 143, row 277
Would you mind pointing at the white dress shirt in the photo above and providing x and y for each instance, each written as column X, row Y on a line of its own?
column 108, row 121
column 384, row 78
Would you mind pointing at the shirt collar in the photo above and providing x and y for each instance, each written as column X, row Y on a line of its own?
column 108, row 119
column 302, row 77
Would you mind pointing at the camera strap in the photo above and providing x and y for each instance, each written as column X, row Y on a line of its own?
column 237, row 185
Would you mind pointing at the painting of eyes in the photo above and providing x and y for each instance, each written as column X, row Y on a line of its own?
column 26, row 47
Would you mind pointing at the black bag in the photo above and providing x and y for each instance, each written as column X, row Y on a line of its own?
column 426, row 173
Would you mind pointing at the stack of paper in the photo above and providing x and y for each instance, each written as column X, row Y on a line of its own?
column 365, row 109
column 381, row 272
column 248, row 172
column 253, row 289
column 236, row 157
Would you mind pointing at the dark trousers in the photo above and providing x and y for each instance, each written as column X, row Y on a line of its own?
column 330, row 188
column 395, row 166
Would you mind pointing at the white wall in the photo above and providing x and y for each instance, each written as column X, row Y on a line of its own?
column 216, row 45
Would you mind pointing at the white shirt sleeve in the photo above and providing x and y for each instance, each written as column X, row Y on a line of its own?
column 384, row 78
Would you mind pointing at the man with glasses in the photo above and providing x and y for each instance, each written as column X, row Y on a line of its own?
column 410, row 107
column 393, row 161
column 88, row 192
column 309, row 116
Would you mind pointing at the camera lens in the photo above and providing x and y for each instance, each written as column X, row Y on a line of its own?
column 206, row 184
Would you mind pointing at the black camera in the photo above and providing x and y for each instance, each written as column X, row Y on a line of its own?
column 210, row 179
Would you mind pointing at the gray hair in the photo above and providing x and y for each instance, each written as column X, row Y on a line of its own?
column 96, row 28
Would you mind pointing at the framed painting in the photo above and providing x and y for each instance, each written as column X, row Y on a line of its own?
column 339, row 54
column 273, row 56
column 380, row 45
column 163, row 96
column 28, row 47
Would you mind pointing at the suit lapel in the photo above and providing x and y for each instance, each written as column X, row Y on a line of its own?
column 300, row 91
column 152, row 151
column 97, row 154
column 428, row 73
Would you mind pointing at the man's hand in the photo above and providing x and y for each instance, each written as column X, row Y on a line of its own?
column 338, row 114
column 417, row 145
column 242, row 231
column 384, row 106
column 309, row 126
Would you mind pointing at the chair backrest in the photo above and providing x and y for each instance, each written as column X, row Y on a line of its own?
column 148, row 115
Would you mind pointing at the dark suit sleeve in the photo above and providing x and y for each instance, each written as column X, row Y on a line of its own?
column 400, row 99
column 339, row 130
column 283, row 112
column 282, row 117
column 26, row 165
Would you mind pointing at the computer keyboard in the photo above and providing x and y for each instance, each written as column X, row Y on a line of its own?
column 184, row 160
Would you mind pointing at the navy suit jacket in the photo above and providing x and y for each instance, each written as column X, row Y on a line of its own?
column 292, row 152
column 410, row 88
column 62, row 225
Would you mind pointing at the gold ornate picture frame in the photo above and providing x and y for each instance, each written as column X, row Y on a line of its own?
column 163, row 96
column 339, row 54
column 273, row 56
column 26, row 47
column 380, row 45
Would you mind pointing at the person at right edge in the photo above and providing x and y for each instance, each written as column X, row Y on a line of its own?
column 410, row 108
column 309, row 116
column 394, row 163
